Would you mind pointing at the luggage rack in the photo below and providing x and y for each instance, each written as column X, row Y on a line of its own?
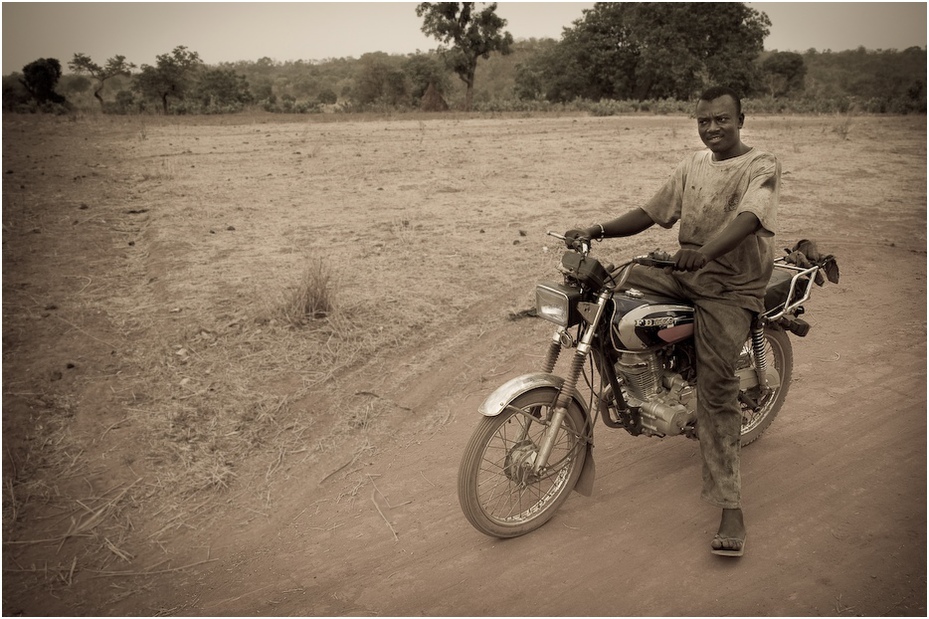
column 799, row 291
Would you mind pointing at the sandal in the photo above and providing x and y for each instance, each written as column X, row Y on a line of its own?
column 723, row 542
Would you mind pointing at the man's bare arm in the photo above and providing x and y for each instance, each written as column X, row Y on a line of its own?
column 693, row 259
column 627, row 224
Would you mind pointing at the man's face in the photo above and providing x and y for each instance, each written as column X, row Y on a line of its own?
column 718, row 124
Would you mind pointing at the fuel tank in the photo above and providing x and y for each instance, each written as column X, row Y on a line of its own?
column 641, row 322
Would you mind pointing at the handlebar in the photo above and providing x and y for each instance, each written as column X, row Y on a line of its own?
column 579, row 244
column 656, row 259
column 653, row 261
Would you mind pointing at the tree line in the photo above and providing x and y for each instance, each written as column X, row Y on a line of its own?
column 617, row 57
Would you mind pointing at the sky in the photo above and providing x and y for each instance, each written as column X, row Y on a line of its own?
column 231, row 31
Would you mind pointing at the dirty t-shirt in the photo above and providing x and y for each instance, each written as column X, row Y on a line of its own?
column 705, row 196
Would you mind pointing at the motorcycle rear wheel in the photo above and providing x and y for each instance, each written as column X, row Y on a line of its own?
column 498, row 492
column 779, row 355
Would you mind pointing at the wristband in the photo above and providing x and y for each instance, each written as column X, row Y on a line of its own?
column 602, row 232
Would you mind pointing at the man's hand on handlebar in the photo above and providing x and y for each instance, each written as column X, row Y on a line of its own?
column 683, row 260
column 689, row 260
column 573, row 239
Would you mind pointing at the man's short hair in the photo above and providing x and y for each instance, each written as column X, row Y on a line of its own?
column 721, row 91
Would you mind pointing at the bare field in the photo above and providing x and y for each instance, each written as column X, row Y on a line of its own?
column 177, row 441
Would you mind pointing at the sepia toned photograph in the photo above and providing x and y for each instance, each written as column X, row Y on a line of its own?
column 464, row 309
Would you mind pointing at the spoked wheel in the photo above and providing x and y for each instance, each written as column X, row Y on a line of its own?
column 499, row 491
column 760, row 405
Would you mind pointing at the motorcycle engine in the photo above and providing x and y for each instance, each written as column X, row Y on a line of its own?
column 666, row 401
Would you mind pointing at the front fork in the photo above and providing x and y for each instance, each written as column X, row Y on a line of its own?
column 570, row 384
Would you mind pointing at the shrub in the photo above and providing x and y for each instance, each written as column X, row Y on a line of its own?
column 312, row 299
column 307, row 107
column 609, row 107
column 327, row 97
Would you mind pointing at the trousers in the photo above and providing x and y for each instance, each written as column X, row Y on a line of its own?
column 720, row 331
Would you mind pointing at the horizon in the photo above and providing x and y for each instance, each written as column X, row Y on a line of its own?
column 290, row 32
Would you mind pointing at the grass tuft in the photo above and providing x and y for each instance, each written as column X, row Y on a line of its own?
column 312, row 298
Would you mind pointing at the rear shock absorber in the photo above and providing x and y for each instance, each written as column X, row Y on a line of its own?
column 758, row 352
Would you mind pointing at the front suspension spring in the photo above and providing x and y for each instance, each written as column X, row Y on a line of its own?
column 554, row 350
column 570, row 383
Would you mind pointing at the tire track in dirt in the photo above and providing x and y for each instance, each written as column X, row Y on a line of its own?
column 832, row 515
column 835, row 491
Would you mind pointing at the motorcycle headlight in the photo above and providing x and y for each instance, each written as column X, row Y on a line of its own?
column 557, row 303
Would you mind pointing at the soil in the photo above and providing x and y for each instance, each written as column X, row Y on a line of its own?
column 173, row 445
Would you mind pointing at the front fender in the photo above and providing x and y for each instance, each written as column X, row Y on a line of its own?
column 497, row 401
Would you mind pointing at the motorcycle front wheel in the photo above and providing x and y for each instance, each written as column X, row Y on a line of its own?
column 779, row 356
column 499, row 493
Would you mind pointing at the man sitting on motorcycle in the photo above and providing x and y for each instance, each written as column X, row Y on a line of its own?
column 725, row 199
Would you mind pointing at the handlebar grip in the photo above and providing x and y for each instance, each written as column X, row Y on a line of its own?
column 648, row 261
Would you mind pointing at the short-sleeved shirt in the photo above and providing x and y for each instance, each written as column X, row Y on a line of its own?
column 705, row 196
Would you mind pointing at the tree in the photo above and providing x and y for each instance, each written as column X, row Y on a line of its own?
column 783, row 73
column 15, row 94
column 878, row 80
column 471, row 36
column 222, row 87
column 73, row 83
column 172, row 76
column 380, row 80
column 531, row 77
column 117, row 65
column 653, row 50
column 559, row 72
column 40, row 77
column 327, row 96
column 423, row 70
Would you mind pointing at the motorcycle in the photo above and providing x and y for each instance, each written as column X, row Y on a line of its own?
column 534, row 442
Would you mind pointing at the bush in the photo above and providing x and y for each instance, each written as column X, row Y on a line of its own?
column 307, row 107
column 312, row 298
column 609, row 107
column 327, row 97
column 56, row 108
column 15, row 95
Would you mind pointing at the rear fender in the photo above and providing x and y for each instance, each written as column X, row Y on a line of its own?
column 497, row 401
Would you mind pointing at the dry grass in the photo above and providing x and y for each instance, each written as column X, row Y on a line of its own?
column 842, row 129
column 313, row 297
column 216, row 406
column 217, row 357
column 216, row 402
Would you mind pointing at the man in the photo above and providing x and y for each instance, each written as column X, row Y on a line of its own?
column 726, row 201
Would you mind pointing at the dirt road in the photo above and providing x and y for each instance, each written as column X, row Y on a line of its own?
column 835, row 498
column 834, row 493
